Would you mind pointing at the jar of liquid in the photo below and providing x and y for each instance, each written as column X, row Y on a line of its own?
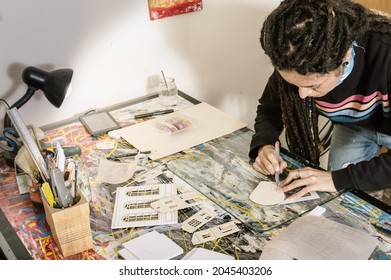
column 168, row 92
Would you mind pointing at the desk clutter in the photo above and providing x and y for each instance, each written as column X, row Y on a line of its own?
column 118, row 202
column 53, row 173
column 67, row 211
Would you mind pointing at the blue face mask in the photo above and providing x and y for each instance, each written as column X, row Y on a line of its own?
column 347, row 69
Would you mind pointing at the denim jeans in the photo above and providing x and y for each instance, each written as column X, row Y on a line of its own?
column 352, row 144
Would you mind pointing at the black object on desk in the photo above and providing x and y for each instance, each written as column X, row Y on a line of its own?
column 99, row 123
column 151, row 114
column 114, row 157
column 372, row 200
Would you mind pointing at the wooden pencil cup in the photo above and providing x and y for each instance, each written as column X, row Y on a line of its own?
column 70, row 226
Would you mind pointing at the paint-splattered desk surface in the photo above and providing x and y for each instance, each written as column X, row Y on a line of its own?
column 218, row 170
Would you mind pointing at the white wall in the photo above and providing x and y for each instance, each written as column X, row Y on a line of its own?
column 117, row 53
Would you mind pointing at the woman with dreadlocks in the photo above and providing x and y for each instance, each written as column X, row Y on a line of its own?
column 331, row 57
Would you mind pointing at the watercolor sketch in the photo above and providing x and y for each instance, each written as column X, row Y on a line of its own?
column 166, row 8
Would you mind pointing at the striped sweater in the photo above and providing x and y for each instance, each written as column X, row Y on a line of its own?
column 361, row 99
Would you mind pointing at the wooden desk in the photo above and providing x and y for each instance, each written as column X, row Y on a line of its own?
column 225, row 187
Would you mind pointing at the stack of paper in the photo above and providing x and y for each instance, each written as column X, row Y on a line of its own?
column 150, row 246
column 318, row 238
column 205, row 254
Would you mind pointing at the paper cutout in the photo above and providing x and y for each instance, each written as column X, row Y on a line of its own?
column 132, row 206
column 317, row 238
column 150, row 174
column 105, row 145
column 266, row 194
column 176, row 202
column 214, row 233
column 306, row 197
column 198, row 220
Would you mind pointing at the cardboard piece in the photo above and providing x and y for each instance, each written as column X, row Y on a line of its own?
column 201, row 123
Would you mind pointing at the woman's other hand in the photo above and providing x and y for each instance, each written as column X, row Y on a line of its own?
column 309, row 178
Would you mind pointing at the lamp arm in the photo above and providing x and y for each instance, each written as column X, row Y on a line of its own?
column 26, row 97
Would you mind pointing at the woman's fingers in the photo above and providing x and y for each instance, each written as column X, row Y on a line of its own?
column 309, row 179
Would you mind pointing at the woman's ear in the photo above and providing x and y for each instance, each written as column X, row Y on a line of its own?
column 346, row 58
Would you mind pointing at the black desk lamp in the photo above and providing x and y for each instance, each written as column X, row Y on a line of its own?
column 53, row 84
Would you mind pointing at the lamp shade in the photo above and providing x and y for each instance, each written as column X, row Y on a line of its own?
column 53, row 84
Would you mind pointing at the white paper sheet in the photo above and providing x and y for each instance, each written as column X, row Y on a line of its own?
column 318, row 238
column 126, row 254
column 207, row 123
column 205, row 254
column 153, row 246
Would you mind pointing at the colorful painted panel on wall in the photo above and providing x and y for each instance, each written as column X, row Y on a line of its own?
column 166, row 8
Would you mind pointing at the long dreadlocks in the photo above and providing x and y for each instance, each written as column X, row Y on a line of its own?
column 312, row 36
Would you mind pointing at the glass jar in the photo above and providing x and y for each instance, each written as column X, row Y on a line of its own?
column 168, row 92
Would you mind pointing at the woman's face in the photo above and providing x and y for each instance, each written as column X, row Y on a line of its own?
column 312, row 85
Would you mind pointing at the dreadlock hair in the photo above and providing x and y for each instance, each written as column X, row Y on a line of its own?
column 312, row 36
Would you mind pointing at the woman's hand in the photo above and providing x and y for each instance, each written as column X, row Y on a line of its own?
column 268, row 162
column 309, row 178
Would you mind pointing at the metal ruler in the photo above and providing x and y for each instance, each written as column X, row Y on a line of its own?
column 28, row 141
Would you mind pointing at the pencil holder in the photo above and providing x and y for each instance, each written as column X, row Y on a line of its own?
column 70, row 226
